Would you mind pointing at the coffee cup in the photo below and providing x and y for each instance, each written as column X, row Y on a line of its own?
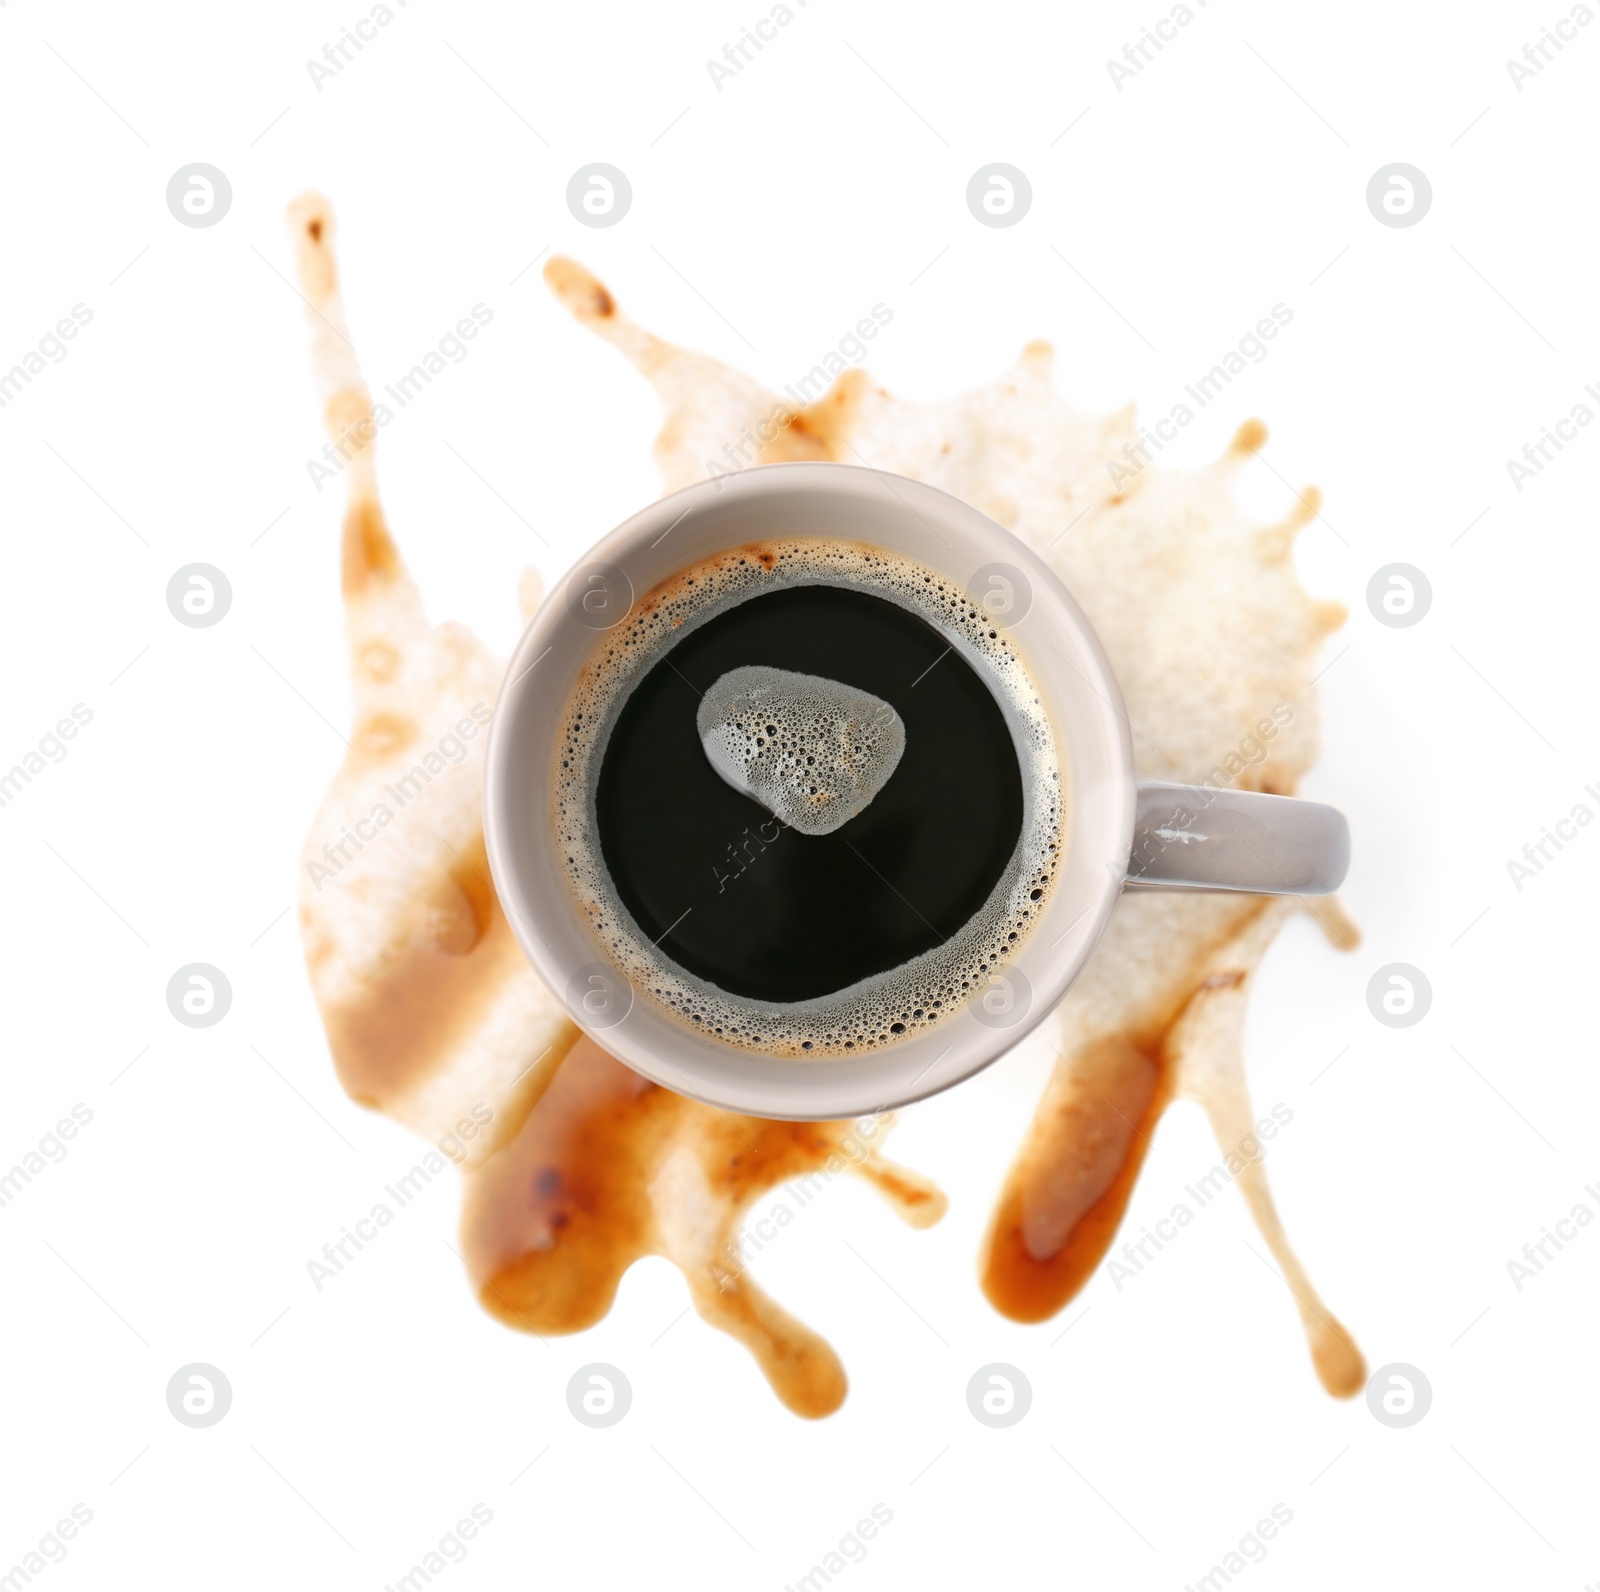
column 1093, row 827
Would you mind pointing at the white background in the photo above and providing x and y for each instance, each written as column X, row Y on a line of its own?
column 1175, row 1412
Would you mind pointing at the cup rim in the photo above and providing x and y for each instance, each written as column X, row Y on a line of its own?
column 1062, row 653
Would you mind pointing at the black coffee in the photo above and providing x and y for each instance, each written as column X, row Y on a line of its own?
column 761, row 909
column 907, row 747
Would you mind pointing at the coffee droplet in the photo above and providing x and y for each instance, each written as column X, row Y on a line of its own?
column 813, row 752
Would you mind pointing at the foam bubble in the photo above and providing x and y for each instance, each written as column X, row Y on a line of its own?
column 886, row 1008
column 812, row 751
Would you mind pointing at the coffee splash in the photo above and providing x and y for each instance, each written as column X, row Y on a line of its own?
column 431, row 1011
column 435, row 1018
column 610, row 1167
column 1208, row 631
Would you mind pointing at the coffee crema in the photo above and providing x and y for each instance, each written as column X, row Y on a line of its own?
column 813, row 752
column 794, row 992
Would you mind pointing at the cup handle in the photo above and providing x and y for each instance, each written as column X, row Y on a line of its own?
column 1193, row 837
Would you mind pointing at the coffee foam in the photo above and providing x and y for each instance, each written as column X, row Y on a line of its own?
column 886, row 1008
column 812, row 751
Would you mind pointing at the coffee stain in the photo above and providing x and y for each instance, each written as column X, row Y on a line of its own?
column 432, row 1012
column 586, row 1167
column 1208, row 630
column 1068, row 1189
column 429, row 1006
column 612, row 1167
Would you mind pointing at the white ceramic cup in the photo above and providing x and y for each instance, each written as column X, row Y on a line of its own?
column 1119, row 833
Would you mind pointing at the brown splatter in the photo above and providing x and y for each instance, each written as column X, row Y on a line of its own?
column 586, row 1167
column 1251, row 437
column 579, row 290
column 1212, row 637
column 1069, row 1186
column 1047, row 1237
column 384, row 733
column 576, row 1167
column 611, row 1167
